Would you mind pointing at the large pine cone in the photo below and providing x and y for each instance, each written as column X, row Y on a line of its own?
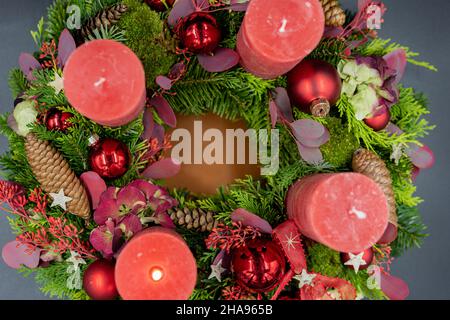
column 334, row 14
column 371, row 165
column 53, row 173
column 196, row 219
column 105, row 18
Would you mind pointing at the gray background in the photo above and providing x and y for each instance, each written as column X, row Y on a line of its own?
column 420, row 24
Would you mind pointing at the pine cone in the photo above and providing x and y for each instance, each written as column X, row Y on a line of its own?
column 334, row 14
column 105, row 18
column 194, row 219
column 53, row 173
column 372, row 166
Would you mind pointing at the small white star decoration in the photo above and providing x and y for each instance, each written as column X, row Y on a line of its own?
column 60, row 199
column 57, row 84
column 356, row 261
column 305, row 278
column 292, row 241
column 74, row 280
column 216, row 271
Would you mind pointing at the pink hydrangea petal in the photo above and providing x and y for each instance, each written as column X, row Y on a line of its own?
column 164, row 82
column 106, row 209
column 316, row 143
column 273, row 110
column 16, row 254
column 223, row 59
column 149, row 189
column 164, row 220
column 162, row 169
column 95, row 187
column 164, row 110
column 131, row 225
column 422, row 157
column 307, row 129
column 394, row 288
column 131, row 197
column 149, row 124
column 310, row 155
column 248, row 218
column 397, row 61
column 66, row 46
column 102, row 240
column 283, row 103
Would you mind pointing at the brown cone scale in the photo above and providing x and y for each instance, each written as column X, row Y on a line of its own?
column 53, row 172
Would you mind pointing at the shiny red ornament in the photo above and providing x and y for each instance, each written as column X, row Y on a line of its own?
column 199, row 33
column 259, row 265
column 314, row 86
column 389, row 235
column 98, row 281
column 380, row 119
column 56, row 120
column 160, row 5
column 110, row 158
column 367, row 257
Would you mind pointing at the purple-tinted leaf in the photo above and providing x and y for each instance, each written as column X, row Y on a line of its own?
column 164, row 82
column 147, row 188
column 332, row 32
column 393, row 129
column 164, row 110
column 394, row 288
column 149, row 124
column 162, row 169
column 283, row 103
column 109, row 194
column 94, row 185
column 223, row 59
column 415, row 173
column 131, row 197
column 66, row 46
column 107, row 209
column 225, row 258
column 310, row 155
column 250, row 219
column 101, row 238
column 16, row 254
column 422, row 157
column 12, row 123
column 27, row 64
column 238, row 5
column 273, row 110
column 183, row 8
column 397, row 61
column 177, row 71
column 316, row 143
column 307, row 129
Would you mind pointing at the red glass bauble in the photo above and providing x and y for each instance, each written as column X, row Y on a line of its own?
column 380, row 119
column 389, row 235
column 314, row 86
column 56, row 120
column 259, row 265
column 367, row 257
column 110, row 158
column 158, row 5
column 98, row 281
column 199, row 32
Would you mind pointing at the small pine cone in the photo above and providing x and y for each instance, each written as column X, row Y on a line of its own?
column 105, row 18
column 196, row 219
column 371, row 165
column 334, row 14
column 53, row 173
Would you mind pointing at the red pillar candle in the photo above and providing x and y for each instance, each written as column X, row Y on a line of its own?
column 347, row 212
column 276, row 35
column 156, row 265
column 105, row 81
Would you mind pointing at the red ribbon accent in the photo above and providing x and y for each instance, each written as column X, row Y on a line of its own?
column 290, row 240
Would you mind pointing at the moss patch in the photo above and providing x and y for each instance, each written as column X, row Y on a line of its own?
column 149, row 39
column 339, row 150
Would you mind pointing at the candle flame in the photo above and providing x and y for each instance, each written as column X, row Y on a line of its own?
column 156, row 274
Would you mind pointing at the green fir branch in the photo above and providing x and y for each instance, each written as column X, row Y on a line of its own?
column 17, row 81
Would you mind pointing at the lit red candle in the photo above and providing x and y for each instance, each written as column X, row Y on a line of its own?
column 276, row 35
column 347, row 212
column 156, row 265
column 105, row 81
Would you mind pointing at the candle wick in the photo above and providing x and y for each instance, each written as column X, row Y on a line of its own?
column 358, row 213
column 283, row 26
column 100, row 82
column 156, row 274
